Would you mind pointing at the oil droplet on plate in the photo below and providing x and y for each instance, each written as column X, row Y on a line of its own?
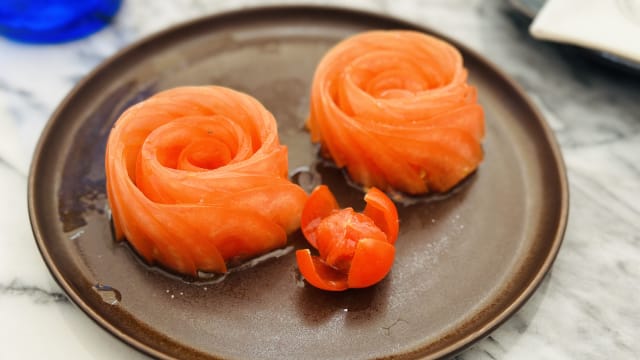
column 108, row 294
column 76, row 234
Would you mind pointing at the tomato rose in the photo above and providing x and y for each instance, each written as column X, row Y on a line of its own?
column 355, row 249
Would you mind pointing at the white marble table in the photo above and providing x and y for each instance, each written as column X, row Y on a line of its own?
column 587, row 308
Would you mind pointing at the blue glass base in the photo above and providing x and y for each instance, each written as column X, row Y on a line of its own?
column 54, row 21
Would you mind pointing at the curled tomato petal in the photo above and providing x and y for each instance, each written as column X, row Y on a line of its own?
column 371, row 262
column 383, row 212
column 355, row 249
column 319, row 205
column 319, row 274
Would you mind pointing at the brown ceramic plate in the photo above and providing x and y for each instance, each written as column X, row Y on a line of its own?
column 464, row 264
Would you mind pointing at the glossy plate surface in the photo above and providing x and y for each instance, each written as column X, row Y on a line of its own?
column 464, row 262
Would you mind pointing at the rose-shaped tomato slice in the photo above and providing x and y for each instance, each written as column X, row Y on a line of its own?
column 395, row 110
column 355, row 249
column 196, row 179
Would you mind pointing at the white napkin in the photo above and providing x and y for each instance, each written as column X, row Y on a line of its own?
column 611, row 26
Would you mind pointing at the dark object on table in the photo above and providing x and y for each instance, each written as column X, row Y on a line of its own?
column 530, row 8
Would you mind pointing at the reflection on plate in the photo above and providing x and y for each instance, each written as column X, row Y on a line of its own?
column 464, row 262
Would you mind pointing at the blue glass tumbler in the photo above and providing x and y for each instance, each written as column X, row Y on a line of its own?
column 54, row 21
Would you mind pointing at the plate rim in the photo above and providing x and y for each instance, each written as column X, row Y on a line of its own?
column 456, row 347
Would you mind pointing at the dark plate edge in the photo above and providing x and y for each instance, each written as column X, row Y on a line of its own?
column 144, row 348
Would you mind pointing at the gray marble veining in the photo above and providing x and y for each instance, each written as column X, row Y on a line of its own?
column 587, row 306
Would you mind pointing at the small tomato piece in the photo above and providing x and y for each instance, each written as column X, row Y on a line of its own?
column 383, row 212
column 320, row 204
column 371, row 262
column 355, row 249
column 319, row 274
column 338, row 234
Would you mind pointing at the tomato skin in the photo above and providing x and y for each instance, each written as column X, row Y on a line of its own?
column 320, row 204
column 318, row 274
column 383, row 212
column 371, row 262
column 355, row 249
